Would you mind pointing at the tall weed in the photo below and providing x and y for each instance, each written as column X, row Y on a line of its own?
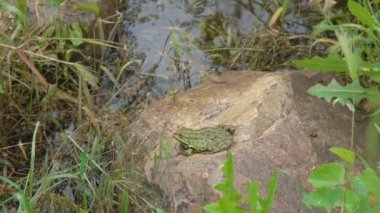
column 342, row 186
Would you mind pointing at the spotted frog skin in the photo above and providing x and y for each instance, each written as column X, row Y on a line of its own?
column 208, row 139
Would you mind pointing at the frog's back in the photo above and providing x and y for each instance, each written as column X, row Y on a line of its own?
column 208, row 139
column 217, row 139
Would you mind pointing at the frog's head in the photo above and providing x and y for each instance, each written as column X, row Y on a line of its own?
column 229, row 128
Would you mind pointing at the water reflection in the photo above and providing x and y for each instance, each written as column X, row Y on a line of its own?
column 169, row 34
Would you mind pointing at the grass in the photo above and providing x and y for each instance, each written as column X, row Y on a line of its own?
column 55, row 153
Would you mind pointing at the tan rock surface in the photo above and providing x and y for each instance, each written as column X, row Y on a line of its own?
column 278, row 128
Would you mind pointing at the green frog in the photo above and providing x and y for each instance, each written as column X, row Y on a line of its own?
column 208, row 139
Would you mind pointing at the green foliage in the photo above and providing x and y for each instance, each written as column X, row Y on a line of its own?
column 231, row 198
column 353, row 92
column 336, row 186
column 48, row 76
column 357, row 54
column 332, row 63
column 89, row 7
column 18, row 12
column 40, row 192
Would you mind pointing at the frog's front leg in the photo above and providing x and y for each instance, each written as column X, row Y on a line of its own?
column 187, row 152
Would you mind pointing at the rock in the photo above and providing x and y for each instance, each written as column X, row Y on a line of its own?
column 279, row 127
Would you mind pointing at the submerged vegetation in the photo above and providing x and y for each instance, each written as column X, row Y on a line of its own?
column 61, row 151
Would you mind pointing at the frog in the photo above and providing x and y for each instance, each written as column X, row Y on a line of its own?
column 205, row 140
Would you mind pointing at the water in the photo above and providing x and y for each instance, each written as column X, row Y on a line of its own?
column 167, row 35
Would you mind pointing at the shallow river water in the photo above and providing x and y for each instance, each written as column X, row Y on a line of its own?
column 167, row 36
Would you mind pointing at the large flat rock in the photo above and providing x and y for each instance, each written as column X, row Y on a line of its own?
column 279, row 127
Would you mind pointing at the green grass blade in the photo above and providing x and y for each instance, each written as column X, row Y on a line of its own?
column 84, row 157
column 30, row 182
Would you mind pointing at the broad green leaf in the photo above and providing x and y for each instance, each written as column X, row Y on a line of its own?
column 365, row 206
column 361, row 13
column 331, row 174
column 350, row 201
column 353, row 91
column 344, row 154
column 371, row 182
column 86, row 75
column 359, row 186
column 332, row 63
column 323, row 198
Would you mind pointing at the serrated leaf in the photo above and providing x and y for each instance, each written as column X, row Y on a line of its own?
column 344, row 154
column 272, row 186
column 228, row 202
column 227, row 186
column 254, row 197
column 327, row 175
column 332, row 63
column 361, row 13
column 353, row 91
